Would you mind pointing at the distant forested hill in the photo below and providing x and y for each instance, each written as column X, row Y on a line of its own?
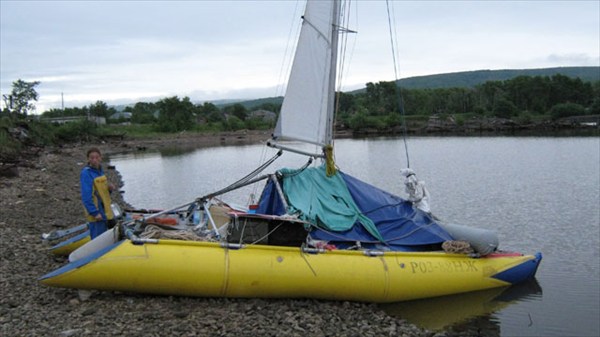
column 466, row 79
column 252, row 104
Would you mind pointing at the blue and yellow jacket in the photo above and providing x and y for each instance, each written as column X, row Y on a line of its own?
column 95, row 194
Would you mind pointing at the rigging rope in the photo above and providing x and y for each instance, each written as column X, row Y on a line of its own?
column 396, row 82
column 245, row 180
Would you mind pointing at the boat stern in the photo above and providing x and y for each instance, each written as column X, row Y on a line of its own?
column 67, row 246
column 71, row 275
column 520, row 272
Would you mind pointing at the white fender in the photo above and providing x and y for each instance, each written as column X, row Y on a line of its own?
column 483, row 241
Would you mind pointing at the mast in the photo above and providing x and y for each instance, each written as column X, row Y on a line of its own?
column 328, row 148
column 335, row 19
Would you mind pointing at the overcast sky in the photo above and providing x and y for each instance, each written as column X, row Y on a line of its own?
column 129, row 51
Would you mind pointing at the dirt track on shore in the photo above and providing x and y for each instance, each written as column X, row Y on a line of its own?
column 45, row 196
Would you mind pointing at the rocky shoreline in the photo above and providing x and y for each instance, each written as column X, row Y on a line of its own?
column 44, row 195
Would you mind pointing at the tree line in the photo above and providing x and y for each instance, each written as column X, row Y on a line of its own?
column 174, row 114
column 522, row 98
column 380, row 105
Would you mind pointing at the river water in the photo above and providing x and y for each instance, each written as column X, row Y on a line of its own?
column 538, row 194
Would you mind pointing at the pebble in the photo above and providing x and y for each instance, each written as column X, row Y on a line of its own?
column 69, row 333
column 88, row 311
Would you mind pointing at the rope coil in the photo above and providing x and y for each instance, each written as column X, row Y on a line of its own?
column 155, row 232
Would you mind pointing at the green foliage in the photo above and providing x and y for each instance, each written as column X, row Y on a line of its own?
column 40, row 133
column 9, row 146
column 595, row 107
column 236, row 110
column 269, row 106
column 525, row 118
column 392, row 120
column 504, row 108
column 470, row 79
column 19, row 100
column 346, row 102
column 479, row 110
column 357, row 121
column 144, row 113
column 215, row 117
column 380, row 105
column 504, row 99
column 101, row 109
column 233, row 123
column 15, row 134
column 382, row 98
column 360, row 121
column 175, row 114
column 269, row 103
column 566, row 110
column 82, row 130
column 210, row 127
column 207, row 108
column 67, row 112
column 257, row 123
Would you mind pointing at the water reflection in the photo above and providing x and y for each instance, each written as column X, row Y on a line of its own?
column 175, row 151
column 469, row 313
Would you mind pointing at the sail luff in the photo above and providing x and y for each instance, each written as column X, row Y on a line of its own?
column 332, row 73
column 307, row 110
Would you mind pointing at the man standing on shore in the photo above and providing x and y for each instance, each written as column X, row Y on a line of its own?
column 95, row 194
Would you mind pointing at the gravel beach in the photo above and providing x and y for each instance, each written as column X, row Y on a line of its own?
column 45, row 196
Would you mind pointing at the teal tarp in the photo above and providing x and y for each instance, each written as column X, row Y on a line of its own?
column 324, row 201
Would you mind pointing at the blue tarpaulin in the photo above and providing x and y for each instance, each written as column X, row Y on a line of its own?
column 346, row 210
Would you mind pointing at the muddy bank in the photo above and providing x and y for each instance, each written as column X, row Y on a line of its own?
column 45, row 196
column 187, row 140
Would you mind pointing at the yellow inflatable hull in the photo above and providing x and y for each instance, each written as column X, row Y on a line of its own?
column 65, row 247
column 206, row 269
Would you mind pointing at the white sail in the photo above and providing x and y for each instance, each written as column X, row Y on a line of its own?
column 307, row 109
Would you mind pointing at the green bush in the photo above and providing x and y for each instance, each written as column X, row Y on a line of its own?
column 233, row 123
column 257, row 123
column 16, row 133
column 524, row 118
column 9, row 147
column 504, row 108
column 595, row 107
column 358, row 121
column 566, row 110
column 393, row 120
column 41, row 133
column 76, row 131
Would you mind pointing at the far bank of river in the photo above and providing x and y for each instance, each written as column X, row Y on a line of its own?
column 491, row 128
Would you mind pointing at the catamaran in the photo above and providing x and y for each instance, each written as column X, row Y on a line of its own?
column 315, row 232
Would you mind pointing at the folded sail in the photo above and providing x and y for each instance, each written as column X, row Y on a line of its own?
column 346, row 210
column 307, row 108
